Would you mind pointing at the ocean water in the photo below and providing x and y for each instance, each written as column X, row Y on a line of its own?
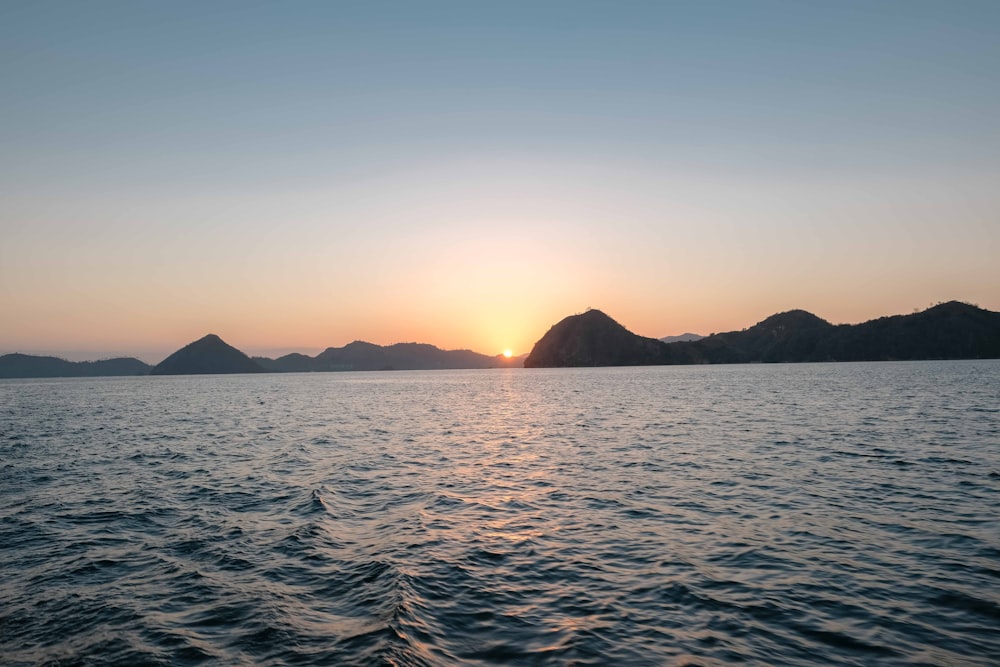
column 822, row 514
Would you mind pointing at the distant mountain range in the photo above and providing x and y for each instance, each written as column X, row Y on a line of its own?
column 30, row 366
column 952, row 330
column 212, row 355
column 361, row 356
column 683, row 338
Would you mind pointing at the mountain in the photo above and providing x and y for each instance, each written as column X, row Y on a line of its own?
column 683, row 338
column 594, row 339
column 30, row 366
column 952, row 330
column 362, row 356
column 290, row 363
column 212, row 355
column 208, row 355
column 795, row 335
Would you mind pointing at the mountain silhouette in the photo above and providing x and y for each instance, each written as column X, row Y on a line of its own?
column 790, row 336
column 683, row 338
column 952, row 330
column 594, row 339
column 290, row 363
column 31, row 366
column 362, row 356
column 208, row 355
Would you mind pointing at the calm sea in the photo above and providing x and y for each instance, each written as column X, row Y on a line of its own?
column 841, row 514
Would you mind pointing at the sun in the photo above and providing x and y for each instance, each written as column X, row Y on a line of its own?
column 508, row 354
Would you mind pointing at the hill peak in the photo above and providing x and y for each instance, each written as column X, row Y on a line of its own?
column 792, row 319
column 207, row 355
column 593, row 338
column 594, row 315
column 953, row 308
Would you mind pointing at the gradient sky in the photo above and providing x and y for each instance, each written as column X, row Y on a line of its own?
column 296, row 175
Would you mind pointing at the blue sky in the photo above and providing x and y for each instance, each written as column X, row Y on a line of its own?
column 296, row 175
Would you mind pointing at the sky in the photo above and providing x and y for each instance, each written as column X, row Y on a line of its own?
column 298, row 175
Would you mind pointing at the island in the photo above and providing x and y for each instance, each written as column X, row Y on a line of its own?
column 32, row 366
column 952, row 330
column 207, row 355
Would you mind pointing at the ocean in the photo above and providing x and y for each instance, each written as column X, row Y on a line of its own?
column 820, row 514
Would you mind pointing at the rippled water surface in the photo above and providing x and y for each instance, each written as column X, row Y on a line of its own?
column 780, row 515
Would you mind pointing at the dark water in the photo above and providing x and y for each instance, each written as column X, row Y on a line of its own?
column 779, row 515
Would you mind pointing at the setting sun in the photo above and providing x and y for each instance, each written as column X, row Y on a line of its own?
column 508, row 354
